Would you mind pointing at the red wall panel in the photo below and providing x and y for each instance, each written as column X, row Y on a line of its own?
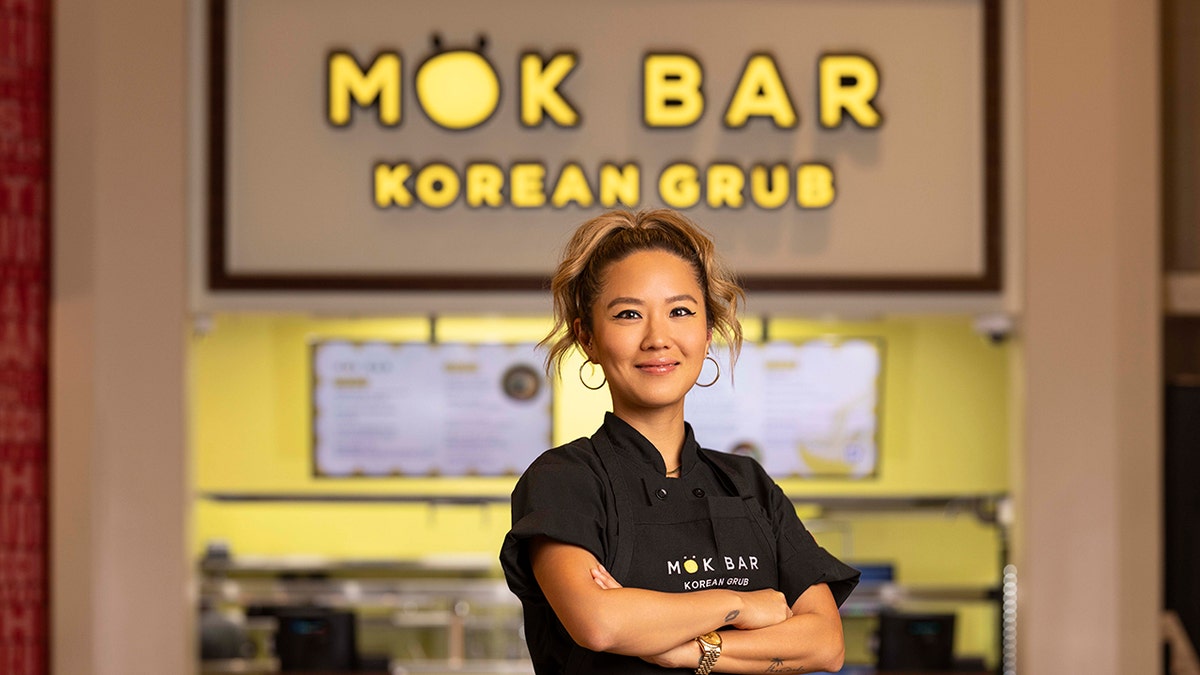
column 24, row 262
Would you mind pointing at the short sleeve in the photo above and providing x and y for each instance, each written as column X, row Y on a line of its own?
column 560, row 496
column 802, row 563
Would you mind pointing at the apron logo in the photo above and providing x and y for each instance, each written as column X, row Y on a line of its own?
column 747, row 563
column 689, row 564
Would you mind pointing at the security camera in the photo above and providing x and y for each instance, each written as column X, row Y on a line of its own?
column 997, row 328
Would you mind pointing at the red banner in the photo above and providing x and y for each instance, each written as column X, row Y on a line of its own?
column 24, row 266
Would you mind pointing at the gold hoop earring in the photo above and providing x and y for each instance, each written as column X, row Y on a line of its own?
column 714, row 381
column 584, row 382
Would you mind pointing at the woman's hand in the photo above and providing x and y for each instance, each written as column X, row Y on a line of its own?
column 760, row 609
column 604, row 579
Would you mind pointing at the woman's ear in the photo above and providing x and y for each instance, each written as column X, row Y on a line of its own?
column 582, row 336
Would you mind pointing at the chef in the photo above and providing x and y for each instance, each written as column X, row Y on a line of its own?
column 636, row 550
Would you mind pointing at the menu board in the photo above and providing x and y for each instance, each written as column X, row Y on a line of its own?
column 808, row 409
column 421, row 409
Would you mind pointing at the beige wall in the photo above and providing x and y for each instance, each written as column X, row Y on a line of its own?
column 119, row 583
column 1089, row 502
column 1088, row 541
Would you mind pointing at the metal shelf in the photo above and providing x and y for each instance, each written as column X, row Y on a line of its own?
column 416, row 594
column 989, row 508
column 871, row 598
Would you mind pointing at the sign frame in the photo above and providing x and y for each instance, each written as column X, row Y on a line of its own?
column 221, row 278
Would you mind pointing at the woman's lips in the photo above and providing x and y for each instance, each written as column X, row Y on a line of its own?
column 658, row 367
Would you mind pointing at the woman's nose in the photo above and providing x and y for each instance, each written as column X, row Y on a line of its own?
column 656, row 336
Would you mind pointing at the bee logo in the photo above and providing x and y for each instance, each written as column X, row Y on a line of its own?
column 458, row 89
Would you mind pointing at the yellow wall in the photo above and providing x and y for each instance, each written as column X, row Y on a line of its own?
column 944, row 431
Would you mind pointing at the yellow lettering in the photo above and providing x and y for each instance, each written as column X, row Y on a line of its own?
column 814, row 186
column 679, row 186
column 458, row 89
column 381, row 83
column 528, row 183
column 484, row 182
column 572, row 187
column 620, row 183
column 389, row 185
column 769, row 190
column 849, row 83
column 671, row 95
column 539, row 90
column 725, row 183
column 437, row 186
column 760, row 93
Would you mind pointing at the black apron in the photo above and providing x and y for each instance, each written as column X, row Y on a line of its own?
column 699, row 542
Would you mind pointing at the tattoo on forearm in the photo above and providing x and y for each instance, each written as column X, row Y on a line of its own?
column 778, row 666
column 731, row 616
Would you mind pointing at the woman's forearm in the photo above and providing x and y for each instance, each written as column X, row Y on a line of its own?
column 638, row 622
column 811, row 640
column 604, row 617
column 803, row 644
column 630, row 621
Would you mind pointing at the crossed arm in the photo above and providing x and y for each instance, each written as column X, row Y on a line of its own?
column 661, row 628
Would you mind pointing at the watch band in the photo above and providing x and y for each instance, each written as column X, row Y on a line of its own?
column 710, row 651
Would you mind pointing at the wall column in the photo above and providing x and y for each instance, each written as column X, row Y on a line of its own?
column 119, row 480
column 1089, row 492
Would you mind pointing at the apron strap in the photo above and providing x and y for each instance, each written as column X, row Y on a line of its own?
column 620, row 557
column 726, row 472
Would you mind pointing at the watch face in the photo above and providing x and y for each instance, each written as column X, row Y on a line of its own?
column 713, row 638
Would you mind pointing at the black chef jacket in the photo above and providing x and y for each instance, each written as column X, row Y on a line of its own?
column 723, row 523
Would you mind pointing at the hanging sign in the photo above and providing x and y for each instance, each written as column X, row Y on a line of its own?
column 363, row 144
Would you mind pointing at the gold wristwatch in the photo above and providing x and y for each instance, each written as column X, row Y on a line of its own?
column 710, row 651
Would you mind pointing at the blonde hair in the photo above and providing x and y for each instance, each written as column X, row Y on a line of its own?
column 612, row 237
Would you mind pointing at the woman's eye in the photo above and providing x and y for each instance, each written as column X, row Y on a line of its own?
column 627, row 314
column 682, row 311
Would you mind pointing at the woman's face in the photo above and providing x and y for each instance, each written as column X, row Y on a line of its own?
column 649, row 331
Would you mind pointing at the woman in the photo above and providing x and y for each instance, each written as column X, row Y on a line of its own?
column 635, row 550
